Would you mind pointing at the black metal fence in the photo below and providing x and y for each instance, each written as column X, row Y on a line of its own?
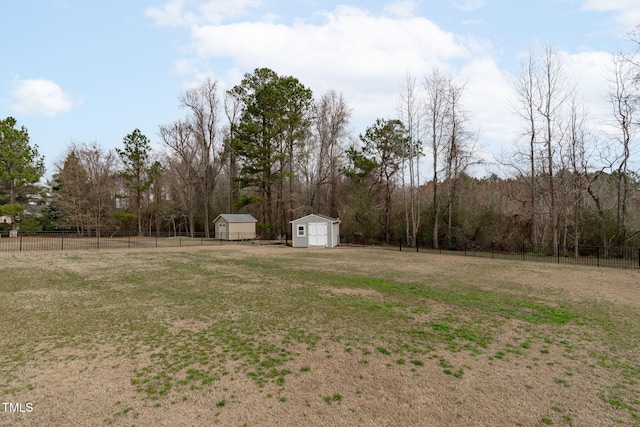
column 70, row 241
column 598, row 256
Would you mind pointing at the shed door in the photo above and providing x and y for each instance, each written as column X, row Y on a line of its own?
column 223, row 233
column 317, row 234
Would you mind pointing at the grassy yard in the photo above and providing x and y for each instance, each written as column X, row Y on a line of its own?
column 257, row 335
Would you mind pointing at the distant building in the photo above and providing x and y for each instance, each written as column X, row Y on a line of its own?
column 235, row 227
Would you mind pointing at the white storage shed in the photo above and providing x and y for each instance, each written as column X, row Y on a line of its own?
column 315, row 231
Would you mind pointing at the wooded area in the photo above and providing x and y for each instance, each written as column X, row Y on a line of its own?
column 272, row 148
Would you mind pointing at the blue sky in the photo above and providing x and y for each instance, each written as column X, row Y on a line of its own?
column 89, row 71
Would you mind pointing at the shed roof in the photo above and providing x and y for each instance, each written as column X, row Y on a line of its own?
column 325, row 217
column 236, row 218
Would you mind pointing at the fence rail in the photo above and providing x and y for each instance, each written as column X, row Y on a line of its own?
column 597, row 256
column 70, row 241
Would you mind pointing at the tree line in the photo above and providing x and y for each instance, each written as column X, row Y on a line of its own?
column 270, row 148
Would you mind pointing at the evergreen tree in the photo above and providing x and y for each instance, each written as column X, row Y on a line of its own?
column 138, row 171
column 21, row 167
column 275, row 119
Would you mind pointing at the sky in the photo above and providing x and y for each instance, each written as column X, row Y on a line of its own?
column 93, row 71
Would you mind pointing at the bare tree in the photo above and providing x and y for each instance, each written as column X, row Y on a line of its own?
column 460, row 149
column 577, row 162
column 624, row 104
column 632, row 59
column 410, row 113
column 437, row 117
column 102, row 184
column 181, row 167
column 233, row 110
column 525, row 84
column 553, row 93
column 202, row 102
column 330, row 129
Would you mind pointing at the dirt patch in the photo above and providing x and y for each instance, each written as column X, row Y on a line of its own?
column 355, row 292
column 187, row 325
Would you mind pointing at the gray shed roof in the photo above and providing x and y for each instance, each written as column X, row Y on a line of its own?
column 236, row 218
column 326, row 218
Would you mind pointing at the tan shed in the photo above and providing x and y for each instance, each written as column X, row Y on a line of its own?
column 235, row 227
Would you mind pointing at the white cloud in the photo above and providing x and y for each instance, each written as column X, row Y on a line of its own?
column 348, row 49
column 402, row 8
column 177, row 12
column 627, row 12
column 467, row 5
column 215, row 11
column 487, row 97
column 40, row 97
column 351, row 51
column 185, row 67
column 168, row 16
column 592, row 71
column 364, row 56
column 350, row 44
column 611, row 5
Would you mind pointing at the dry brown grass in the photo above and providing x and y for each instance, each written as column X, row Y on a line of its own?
column 266, row 336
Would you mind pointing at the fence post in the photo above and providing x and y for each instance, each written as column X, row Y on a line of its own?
column 598, row 256
column 20, row 243
column 638, row 257
column 558, row 254
column 465, row 248
column 62, row 242
column 400, row 240
column 523, row 251
column 417, row 244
